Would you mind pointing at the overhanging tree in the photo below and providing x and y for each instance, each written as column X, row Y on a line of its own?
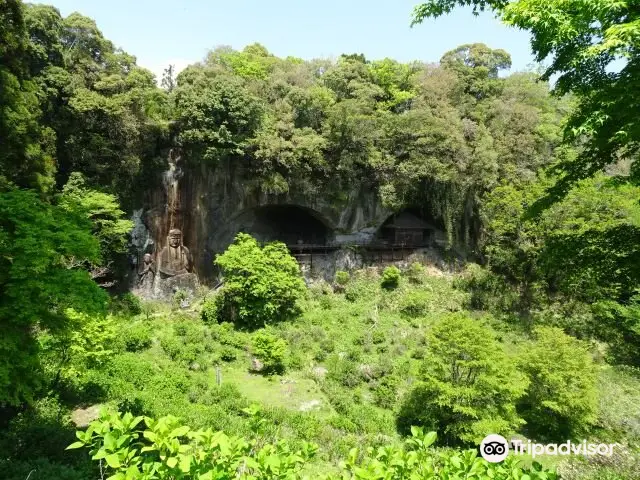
column 594, row 49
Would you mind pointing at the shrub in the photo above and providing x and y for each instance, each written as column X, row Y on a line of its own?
column 270, row 350
column 38, row 431
column 385, row 392
column 180, row 296
column 619, row 398
column 469, row 387
column 415, row 459
column 416, row 273
column 619, row 325
column 136, row 337
column 561, row 400
column 378, row 337
column 489, row 291
column 189, row 330
column 127, row 304
column 345, row 371
column 209, row 312
column 390, row 278
column 415, row 303
column 328, row 345
column 261, row 285
column 419, row 353
column 342, row 278
column 358, row 290
column 228, row 354
column 226, row 335
column 85, row 343
column 180, row 351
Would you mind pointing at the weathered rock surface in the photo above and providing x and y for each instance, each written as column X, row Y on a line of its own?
column 211, row 205
column 82, row 417
column 187, row 282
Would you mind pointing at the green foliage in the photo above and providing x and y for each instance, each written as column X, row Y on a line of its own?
column 179, row 296
column 417, row 460
column 489, row 291
column 468, row 385
column 390, row 278
column 415, row 303
column 103, row 210
column 416, row 273
column 582, row 40
column 26, row 157
column 209, row 312
column 583, row 248
column 385, row 392
column 217, row 115
column 261, row 284
column 477, row 66
column 127, row 304
column 228, row 354
column 619, row 404
column 143, row 448
column 561, row 399
column 41, row 246
column 271, row 351
column 84, row 343
column 342, row 277
column 619, row 324
column 106, row 112
column 136, row 337
column 345, row 371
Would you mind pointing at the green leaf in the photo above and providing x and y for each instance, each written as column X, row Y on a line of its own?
column 112, row 460
column 75, row 445
column 100, row 454
column 172, row 462
column 179, row 432
column 185, row 463
column 430, row 438
column 109, row 441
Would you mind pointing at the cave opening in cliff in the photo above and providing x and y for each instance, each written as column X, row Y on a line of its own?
column 291, row 224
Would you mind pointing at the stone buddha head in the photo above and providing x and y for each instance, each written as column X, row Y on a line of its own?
column 175, row 238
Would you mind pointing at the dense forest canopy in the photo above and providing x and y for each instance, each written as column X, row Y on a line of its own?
column 85, row 131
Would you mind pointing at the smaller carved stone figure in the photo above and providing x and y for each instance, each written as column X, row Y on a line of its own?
column 148, row 273
column 175, row 258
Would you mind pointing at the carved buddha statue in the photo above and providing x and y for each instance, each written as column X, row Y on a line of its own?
column 175, row 258
column 148, row 273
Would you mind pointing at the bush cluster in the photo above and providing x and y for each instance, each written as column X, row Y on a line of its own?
column 271, row 351
column 262, row 285
column 390, row 278
column 469, row 386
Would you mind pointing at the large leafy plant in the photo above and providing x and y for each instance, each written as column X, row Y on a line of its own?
column 141, row 448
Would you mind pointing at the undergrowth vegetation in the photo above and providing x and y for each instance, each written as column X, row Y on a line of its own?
column 359, row 368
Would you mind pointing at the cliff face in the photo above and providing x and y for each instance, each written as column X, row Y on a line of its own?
column 211, row 206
